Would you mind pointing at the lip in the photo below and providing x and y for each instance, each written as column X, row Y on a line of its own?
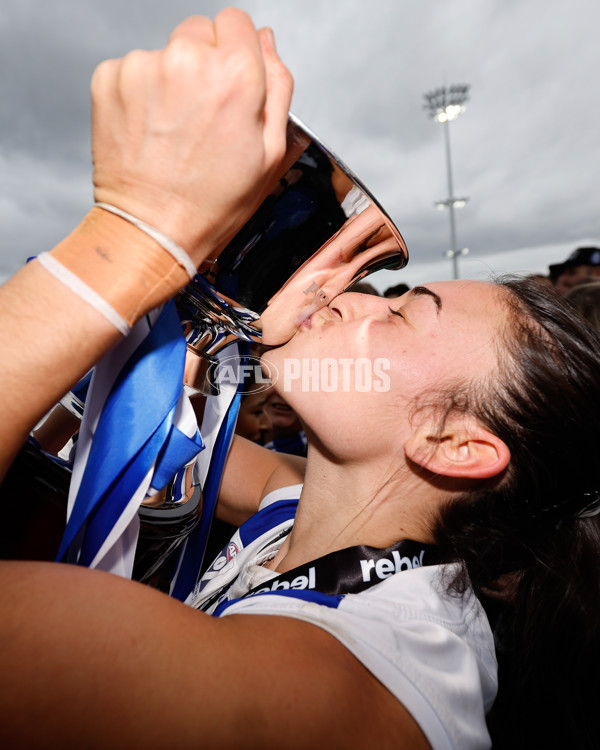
column 280, row 407
column 323, row 314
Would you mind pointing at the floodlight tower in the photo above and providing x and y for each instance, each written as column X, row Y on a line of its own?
column 444, row 105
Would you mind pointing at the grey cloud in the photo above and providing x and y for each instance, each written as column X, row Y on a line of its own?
column 524, row 151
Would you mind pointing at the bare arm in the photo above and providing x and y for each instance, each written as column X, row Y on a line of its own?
column 49, row 339
column 112, row 663
column 251, row 472
column 185, row 139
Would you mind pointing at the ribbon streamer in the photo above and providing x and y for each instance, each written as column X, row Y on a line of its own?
column 136, row 440
column 192, row 556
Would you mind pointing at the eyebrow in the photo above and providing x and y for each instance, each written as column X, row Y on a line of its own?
column 420, row 290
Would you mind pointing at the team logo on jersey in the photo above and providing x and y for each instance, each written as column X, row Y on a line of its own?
column 232, row 550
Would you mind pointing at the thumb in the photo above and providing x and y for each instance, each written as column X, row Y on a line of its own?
column 279, row 87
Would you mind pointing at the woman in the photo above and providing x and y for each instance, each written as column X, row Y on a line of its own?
column 253, row 420
column 482, row 447
column 286, row 434
column 488, row 456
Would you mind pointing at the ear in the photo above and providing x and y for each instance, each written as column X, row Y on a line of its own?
column 465, row 449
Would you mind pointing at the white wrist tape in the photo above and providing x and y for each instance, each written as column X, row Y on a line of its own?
column 165, row 242
column 82, row 290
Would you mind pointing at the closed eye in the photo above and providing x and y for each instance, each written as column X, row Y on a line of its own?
column 396, row 312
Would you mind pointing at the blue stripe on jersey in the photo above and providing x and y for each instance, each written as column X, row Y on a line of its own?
column 266, row 519
column 326, row 600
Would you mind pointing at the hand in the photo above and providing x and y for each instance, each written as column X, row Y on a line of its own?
column 189, row 138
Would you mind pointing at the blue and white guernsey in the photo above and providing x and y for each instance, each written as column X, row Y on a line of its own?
column 433, row 651
column 238, row 568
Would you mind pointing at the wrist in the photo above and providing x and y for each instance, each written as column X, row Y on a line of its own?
column 126, row 266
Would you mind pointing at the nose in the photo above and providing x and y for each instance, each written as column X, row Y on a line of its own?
column 353, row 305
column 264, row 421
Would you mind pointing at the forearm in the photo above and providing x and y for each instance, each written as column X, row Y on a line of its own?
column 51, row 337
column 113, row 663
column 251, row 473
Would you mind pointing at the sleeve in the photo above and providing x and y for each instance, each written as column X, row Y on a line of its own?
column 291, row 492
column 433, row 651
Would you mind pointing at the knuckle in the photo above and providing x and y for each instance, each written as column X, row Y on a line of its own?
column 285, row 78
column 136, row 59
column 241, row 70
column 194, row 25
column 104, row 73
column 134, row 67
column 232, row 14
column 182, row 58
column 137, row 75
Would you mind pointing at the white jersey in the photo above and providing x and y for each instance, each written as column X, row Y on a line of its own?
column 433, row 651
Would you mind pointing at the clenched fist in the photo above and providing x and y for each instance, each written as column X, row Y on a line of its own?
column 189, row 138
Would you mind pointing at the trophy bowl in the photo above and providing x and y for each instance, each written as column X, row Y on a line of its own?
column 318, row 231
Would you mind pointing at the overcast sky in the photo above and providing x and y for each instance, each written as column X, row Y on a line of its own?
column 525, row 152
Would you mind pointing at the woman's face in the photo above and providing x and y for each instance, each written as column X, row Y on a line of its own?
column 381, row 354
column 284, row 420
column 253, row 420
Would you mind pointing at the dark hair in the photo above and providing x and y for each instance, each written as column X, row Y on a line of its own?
column 529, row 556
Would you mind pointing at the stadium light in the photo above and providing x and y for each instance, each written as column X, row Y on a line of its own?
column 443, row 106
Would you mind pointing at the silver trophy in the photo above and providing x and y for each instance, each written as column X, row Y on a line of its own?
column 318, row 231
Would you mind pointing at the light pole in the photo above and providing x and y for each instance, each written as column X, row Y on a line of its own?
column 454, row 254
column 444, row 105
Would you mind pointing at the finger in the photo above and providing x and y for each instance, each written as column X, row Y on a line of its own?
column 234, row 28
column 198, row 29
column 242, row 61
column 279, row 85
column 104, row 78
column 105, row 98
column 130, row 79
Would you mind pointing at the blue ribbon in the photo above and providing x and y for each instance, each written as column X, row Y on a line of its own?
column 134, row 430
column 81, row 388
column 193, row 555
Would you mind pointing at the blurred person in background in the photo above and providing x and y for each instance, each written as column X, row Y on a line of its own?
column 396, row 291
column 581, row 267
column 363, row 287
column 586, row 299
column 253, row 421
column 286, row 434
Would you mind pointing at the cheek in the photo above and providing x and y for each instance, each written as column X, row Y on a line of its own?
column 242, row 426
column 416, row 367
column 274, row 361
column 283, row 420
